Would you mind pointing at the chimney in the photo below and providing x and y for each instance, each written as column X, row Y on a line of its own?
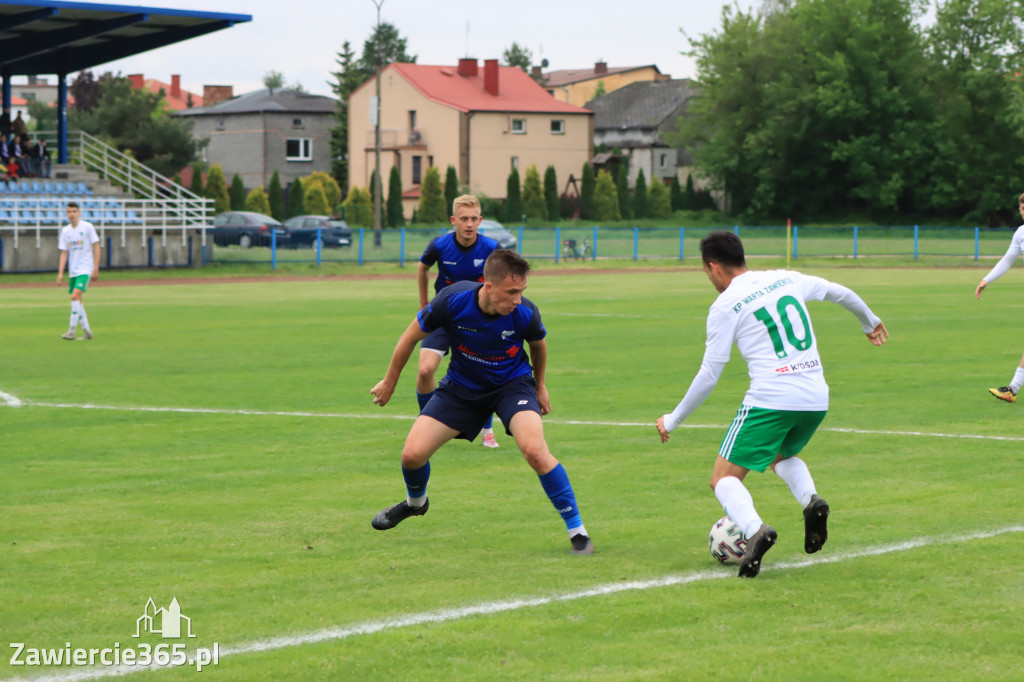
column 600, row 68
column 176, row 86
column 491, row 76
column 136, row 80
column 535, row 73
column 212, row 94
column 467, row 67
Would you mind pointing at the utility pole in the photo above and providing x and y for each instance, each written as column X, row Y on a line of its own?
column 377, row 190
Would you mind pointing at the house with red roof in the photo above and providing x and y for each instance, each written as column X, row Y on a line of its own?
column 579, row 86
column 177, row 98
column 483, row 121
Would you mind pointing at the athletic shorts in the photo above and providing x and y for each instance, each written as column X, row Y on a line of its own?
column 468, row 411
column 758, row 435
column 437, row 340
column 78, row 282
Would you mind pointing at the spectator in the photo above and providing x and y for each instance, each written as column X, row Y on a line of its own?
column 13, row 170
column 5, row 150
column 29, row 161
column 18, row 127
column 5, row 122
column 44, row 163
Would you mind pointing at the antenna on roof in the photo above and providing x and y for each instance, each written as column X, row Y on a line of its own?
column 467, row 38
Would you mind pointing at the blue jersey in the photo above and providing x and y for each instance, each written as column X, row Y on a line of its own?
column 487, row 350
column 455, row 262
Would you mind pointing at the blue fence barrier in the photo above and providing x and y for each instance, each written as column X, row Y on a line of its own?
column 405, row 245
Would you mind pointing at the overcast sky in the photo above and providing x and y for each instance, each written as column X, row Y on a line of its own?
column 301, row 38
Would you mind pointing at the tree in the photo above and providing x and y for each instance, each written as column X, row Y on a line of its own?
column 641, row 206
column 451, row 188
column 273, row 80
column 587, row 207
column 551, row 198
column 136, row 122
column 431, row 208
column 85, row 89
column 534, row 205
column 513, row 198
column 237, row 194
column 396, row 210
column 332, row 192
column 622, row 189
column 296, row 199
column 217, row 189
column 316, row 200
column 601, row 89
column 346, row 79
column 660, row 201
column 676, row 197
column 275, row 197
column 606, row 198
column 359, row 207
column 392, row 49
column 520, row 57
column 257, row 201
column 196, row 186
column 690, row 195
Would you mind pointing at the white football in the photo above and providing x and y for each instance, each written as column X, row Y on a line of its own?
column 726, row 541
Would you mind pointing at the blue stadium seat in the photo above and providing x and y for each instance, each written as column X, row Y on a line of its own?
column 111, row 202
column 82, row 189
column 112, row 216
column 5, row 217
column 51, row 218
column 133, row 217
column 58, row 187
column 91, row 204
column 36, row 187
column 47, row 187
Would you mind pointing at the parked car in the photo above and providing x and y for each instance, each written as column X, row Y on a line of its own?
column 302, row 231
column 494, row 230
column 245, row 229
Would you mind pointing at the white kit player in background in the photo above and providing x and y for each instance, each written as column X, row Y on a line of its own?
column 765, row 315
column 80, row 251
column 1015, row 251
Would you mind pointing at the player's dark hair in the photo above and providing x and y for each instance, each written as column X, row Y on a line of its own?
column 724, row 248
column 71, row 204
column 504, row 263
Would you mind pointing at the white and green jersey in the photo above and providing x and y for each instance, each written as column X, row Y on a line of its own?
column 78, row 241
column 765, row 314
column 1015, row 251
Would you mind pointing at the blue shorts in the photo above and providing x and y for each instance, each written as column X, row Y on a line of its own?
column 437, row 340
column 467, row 411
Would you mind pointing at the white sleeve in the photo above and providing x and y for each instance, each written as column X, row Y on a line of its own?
column 819, row 289
column 700, row 389
column 1012, row 254
column 62, row 241
column 93, row 237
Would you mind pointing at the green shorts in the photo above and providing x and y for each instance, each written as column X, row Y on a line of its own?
column 79, row 282
column 758, row 435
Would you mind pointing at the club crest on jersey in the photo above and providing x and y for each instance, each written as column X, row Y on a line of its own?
column 506, row 334
column 477, row 262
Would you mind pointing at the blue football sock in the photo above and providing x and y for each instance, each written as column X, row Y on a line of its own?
column 416, row 481
column 423, row 399
column 559, row 490
column 490, row 422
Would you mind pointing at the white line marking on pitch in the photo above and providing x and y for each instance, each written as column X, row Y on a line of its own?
column 336, row 415
column 490, row 608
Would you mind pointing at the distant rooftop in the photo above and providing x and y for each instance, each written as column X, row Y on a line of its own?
column 279, row 99
column 554, row 79
column 646, row 104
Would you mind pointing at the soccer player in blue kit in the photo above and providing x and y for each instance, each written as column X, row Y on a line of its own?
column 488, row 325
column 460, row 257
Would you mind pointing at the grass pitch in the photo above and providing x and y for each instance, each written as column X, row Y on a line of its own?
column 217, row 443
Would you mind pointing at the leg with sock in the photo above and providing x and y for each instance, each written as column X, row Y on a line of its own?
column 487, row 434
column 559, row 490
column 796, row 475
column 415, row 504
column 739, row 505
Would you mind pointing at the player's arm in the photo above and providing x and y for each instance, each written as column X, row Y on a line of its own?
column 1000, row 268
column 385, row 388
column 870, row 323
column 422, row 279
column 96, row 260
column 539, row 362
column 63, row 264
column 700, row 388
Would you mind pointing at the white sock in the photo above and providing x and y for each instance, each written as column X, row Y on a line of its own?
column 580, row 530
column 738, row 504
column 416, row 501
column 83, row 319
column 1018, row 380
column 76, row 312
column 794, row 472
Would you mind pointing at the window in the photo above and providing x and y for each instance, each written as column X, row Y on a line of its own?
column 220, row 124
column 519, row 126
column 412, row 120
column 297, row 123
column 298, row 149
column 515, row 162
column 417, row 170
column 430, row 161
column 664, row 160
column 558, row 126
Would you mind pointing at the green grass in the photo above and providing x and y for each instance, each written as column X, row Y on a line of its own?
column 258, row 522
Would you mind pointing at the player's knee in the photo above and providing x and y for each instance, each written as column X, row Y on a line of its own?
column 539, row 457
column 413, row 459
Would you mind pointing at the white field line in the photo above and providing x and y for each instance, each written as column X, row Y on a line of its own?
column 337, row 633
column 12, row 401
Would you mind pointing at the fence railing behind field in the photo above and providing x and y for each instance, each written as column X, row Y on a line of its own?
column 558, row 244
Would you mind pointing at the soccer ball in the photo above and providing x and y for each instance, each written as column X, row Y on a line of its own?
column 726, row 541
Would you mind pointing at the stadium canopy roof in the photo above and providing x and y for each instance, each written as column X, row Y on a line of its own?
column 52, row 36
